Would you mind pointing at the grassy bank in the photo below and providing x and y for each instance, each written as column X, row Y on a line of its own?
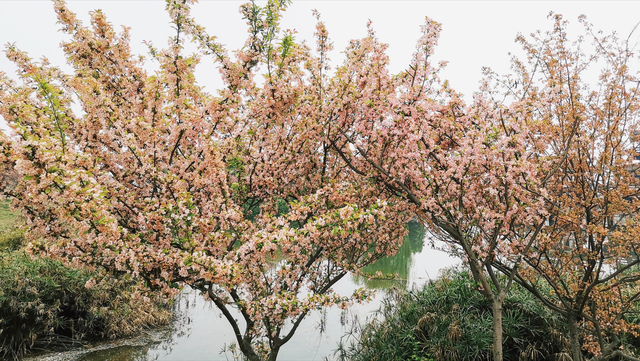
column 45, row 304
column 449, row 320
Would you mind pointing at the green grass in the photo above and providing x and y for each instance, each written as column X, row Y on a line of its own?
column 11, row 234
column 449, row 320
column 44, row 304
column 7, row 217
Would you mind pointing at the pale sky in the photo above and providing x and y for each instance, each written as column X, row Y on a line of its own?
column 475, row 33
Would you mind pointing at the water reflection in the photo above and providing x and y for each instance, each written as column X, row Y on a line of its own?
column 201, row 333
column 400, row 263
column 124, row 353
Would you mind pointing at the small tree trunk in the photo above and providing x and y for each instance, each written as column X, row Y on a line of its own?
column 273, row 356
column 576, row 346
column 247, row 350
column 497, row 327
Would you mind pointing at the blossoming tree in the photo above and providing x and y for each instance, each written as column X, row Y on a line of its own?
column 237, row 195
column 465, row 169
column 585, row 263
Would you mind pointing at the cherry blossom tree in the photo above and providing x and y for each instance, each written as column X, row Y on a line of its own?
column 238, row 194
column 465, row 169
column 585, row 263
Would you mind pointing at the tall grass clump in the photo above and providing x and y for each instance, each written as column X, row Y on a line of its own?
column 11, row 238
column 45, row 304
column 449, row 319
column 11, row 233
column 7, row 217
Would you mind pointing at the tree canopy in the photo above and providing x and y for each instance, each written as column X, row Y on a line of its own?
column 266, row 194
column 236, row 194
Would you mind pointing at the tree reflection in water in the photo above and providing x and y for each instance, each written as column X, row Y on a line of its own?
column 192, row 336
column 124, row 353
column 399, row 264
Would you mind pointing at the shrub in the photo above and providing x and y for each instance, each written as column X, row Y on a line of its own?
column 44, row 303
column 449, row 320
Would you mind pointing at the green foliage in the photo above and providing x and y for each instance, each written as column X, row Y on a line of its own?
column 11, row 239
column 44, row 303
column 7, row 218
column 449, row 320
column 631, row 339
column 11, row 235
column 396, row 267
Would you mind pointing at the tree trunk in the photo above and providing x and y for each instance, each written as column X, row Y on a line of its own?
column 273, row 356
column 497, row 327
column 247, row 349
column 576, row 346
column 250, row 354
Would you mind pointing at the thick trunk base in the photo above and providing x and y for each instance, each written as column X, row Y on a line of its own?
column 497, row 328
column 576, row 345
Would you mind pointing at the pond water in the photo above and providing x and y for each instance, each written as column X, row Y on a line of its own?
column 203, row 334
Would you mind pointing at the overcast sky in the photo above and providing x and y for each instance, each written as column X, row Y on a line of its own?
column 475, row 33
